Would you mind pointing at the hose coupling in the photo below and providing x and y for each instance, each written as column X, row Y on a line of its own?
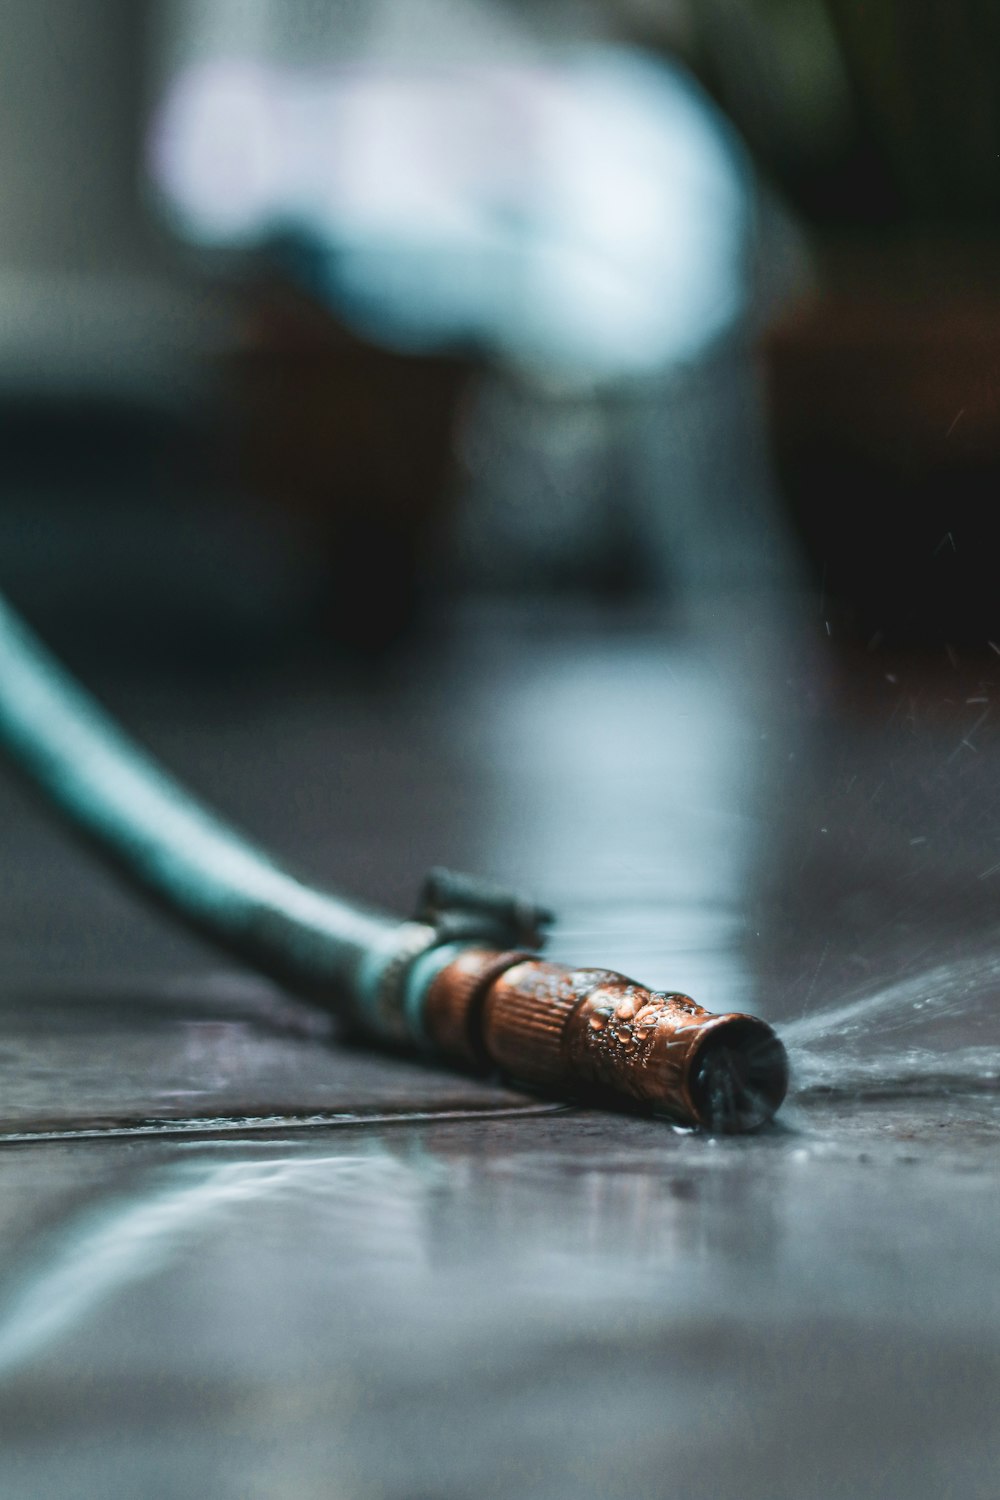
column 596, row 1034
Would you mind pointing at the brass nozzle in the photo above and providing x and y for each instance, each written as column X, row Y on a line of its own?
column 597, row 1033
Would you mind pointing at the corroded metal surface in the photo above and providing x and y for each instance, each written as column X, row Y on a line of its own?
column 452, row 1014
column 593, row 1031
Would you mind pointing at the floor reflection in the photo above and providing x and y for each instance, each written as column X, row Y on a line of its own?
column 632, row 775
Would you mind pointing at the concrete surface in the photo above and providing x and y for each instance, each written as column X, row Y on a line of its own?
column 238, row 1259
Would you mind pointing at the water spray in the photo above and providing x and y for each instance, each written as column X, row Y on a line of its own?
column 461, row 980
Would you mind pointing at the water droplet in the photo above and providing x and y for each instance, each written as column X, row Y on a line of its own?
column 597, row 1023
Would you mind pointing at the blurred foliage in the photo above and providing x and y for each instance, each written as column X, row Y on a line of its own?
column 867, row 112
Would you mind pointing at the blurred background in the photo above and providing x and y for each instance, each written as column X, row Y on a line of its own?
column 318, row 317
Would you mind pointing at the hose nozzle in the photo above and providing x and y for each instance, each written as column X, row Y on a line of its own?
column 596, row 1033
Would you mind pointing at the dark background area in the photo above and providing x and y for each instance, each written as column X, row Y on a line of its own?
column 214, row 447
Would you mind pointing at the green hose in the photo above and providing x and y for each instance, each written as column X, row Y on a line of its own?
column 344, row 955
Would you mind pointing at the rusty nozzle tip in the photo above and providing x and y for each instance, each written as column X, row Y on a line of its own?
column 599, row 1034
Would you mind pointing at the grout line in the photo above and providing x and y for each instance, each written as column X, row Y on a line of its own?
column 253, row 1124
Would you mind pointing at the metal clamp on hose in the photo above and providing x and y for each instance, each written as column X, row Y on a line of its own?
column 468, row 907
column 455, row 912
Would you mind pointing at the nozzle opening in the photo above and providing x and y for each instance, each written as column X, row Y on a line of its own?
column 738, row 1077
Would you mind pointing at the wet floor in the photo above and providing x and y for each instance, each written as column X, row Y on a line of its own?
column 240, row 1259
